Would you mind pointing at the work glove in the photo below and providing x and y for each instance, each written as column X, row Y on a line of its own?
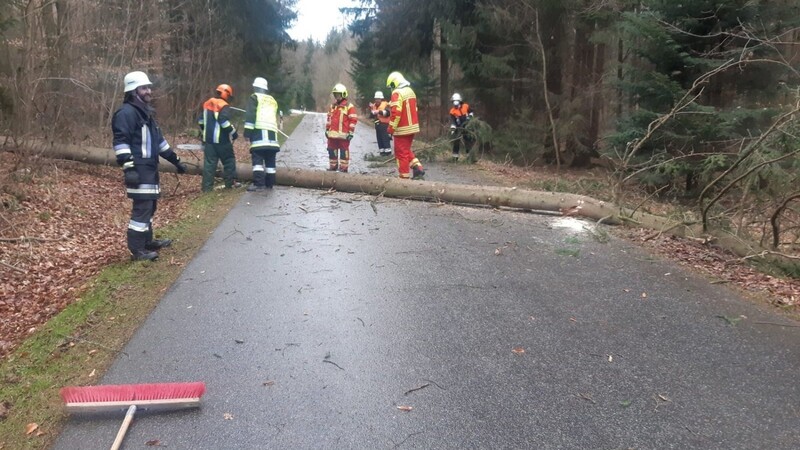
column 234, row 135
column 180, row 167
column 349, row 136
column 326, row 134
column 131, row 178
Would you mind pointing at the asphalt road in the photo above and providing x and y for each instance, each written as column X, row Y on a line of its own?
column 314, row 316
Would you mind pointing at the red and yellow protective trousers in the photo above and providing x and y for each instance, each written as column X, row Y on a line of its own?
column 404, row 125
column 339, row 154
column 339, row 128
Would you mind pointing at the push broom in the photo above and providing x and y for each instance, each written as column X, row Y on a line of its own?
column 150, row 397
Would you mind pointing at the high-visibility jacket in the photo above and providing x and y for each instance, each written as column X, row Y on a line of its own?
column 138, row 144
column 215, row 122
column 342, row 119
column 261, row 121
column 403, row 119
column 459, row 115
column 382, row 112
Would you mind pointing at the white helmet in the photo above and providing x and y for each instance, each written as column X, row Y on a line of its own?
column 456, row 97
column 261, row 83
column 378, row 94
column 136, row 79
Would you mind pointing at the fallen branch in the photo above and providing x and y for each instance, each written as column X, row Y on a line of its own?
column 331, row 362
column 417, row 388
column 765, row 253
column 29, row 239
column 393, row 187
column 13, row 267
column 790, row 325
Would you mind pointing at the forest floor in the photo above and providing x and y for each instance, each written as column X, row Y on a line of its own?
column 62, row 222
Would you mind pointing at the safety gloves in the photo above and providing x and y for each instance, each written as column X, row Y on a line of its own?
column 349, row 136
column 180, row 167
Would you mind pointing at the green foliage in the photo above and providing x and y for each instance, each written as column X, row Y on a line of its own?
column 333, row 42
column 521, row 139
column 674, row 44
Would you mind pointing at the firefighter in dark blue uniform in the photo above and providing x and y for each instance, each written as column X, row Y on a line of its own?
column 138, row 143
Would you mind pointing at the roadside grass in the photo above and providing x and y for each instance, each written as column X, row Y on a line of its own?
column 289, row 124
column 77, row 346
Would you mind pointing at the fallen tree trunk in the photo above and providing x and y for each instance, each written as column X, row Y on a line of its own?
column 565, row 204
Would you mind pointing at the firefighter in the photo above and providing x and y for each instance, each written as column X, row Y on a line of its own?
column 138, row 143
column 403, row 125
column 218, row 134
column 379, row 112
column 460, row 115
column 261, row 131
column 339, row 129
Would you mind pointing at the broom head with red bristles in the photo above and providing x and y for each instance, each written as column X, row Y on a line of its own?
column 154, row 396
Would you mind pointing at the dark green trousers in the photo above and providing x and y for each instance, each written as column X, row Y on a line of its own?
column 213, row 153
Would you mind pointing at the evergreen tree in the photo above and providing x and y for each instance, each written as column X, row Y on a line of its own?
column 677, row 46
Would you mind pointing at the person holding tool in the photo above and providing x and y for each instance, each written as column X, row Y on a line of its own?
column 379, row 112
column 460, row 115
column 261, row 128
column 218, row 134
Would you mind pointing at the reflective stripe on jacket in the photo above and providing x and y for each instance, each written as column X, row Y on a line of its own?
column 403, row 119
column 138, row 143
column 215, row 122
column 342, row 119
column 459, row 115
column 261, row 121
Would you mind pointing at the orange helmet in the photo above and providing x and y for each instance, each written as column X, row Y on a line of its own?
column 225, row 91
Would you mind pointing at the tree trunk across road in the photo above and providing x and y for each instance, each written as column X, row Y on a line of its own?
column 393, row 187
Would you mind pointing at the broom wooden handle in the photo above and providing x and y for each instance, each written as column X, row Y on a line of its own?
column 124, row 428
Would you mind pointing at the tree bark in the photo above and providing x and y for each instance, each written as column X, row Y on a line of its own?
column 493, row 196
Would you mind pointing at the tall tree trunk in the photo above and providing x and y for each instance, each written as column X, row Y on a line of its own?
column 444, row 75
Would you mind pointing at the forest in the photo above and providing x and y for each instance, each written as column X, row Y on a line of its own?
column 693, row 102
column 683, row 111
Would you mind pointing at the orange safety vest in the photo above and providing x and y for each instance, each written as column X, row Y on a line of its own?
column 342, row 119
column 380, row 108
column 403, row 120
column 459, row 115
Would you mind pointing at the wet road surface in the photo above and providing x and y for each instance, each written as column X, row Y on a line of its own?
column 332, row 320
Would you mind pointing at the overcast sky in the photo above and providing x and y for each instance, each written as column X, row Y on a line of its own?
column 315, row 18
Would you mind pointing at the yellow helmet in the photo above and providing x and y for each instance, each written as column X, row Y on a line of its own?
column 395, row 80
column 340, row 89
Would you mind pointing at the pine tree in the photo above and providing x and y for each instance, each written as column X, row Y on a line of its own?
column 692, row 65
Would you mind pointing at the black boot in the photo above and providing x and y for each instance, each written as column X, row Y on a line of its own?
column 156, row 244
column 255, row 188
column 137, row 243
column 144, row 255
